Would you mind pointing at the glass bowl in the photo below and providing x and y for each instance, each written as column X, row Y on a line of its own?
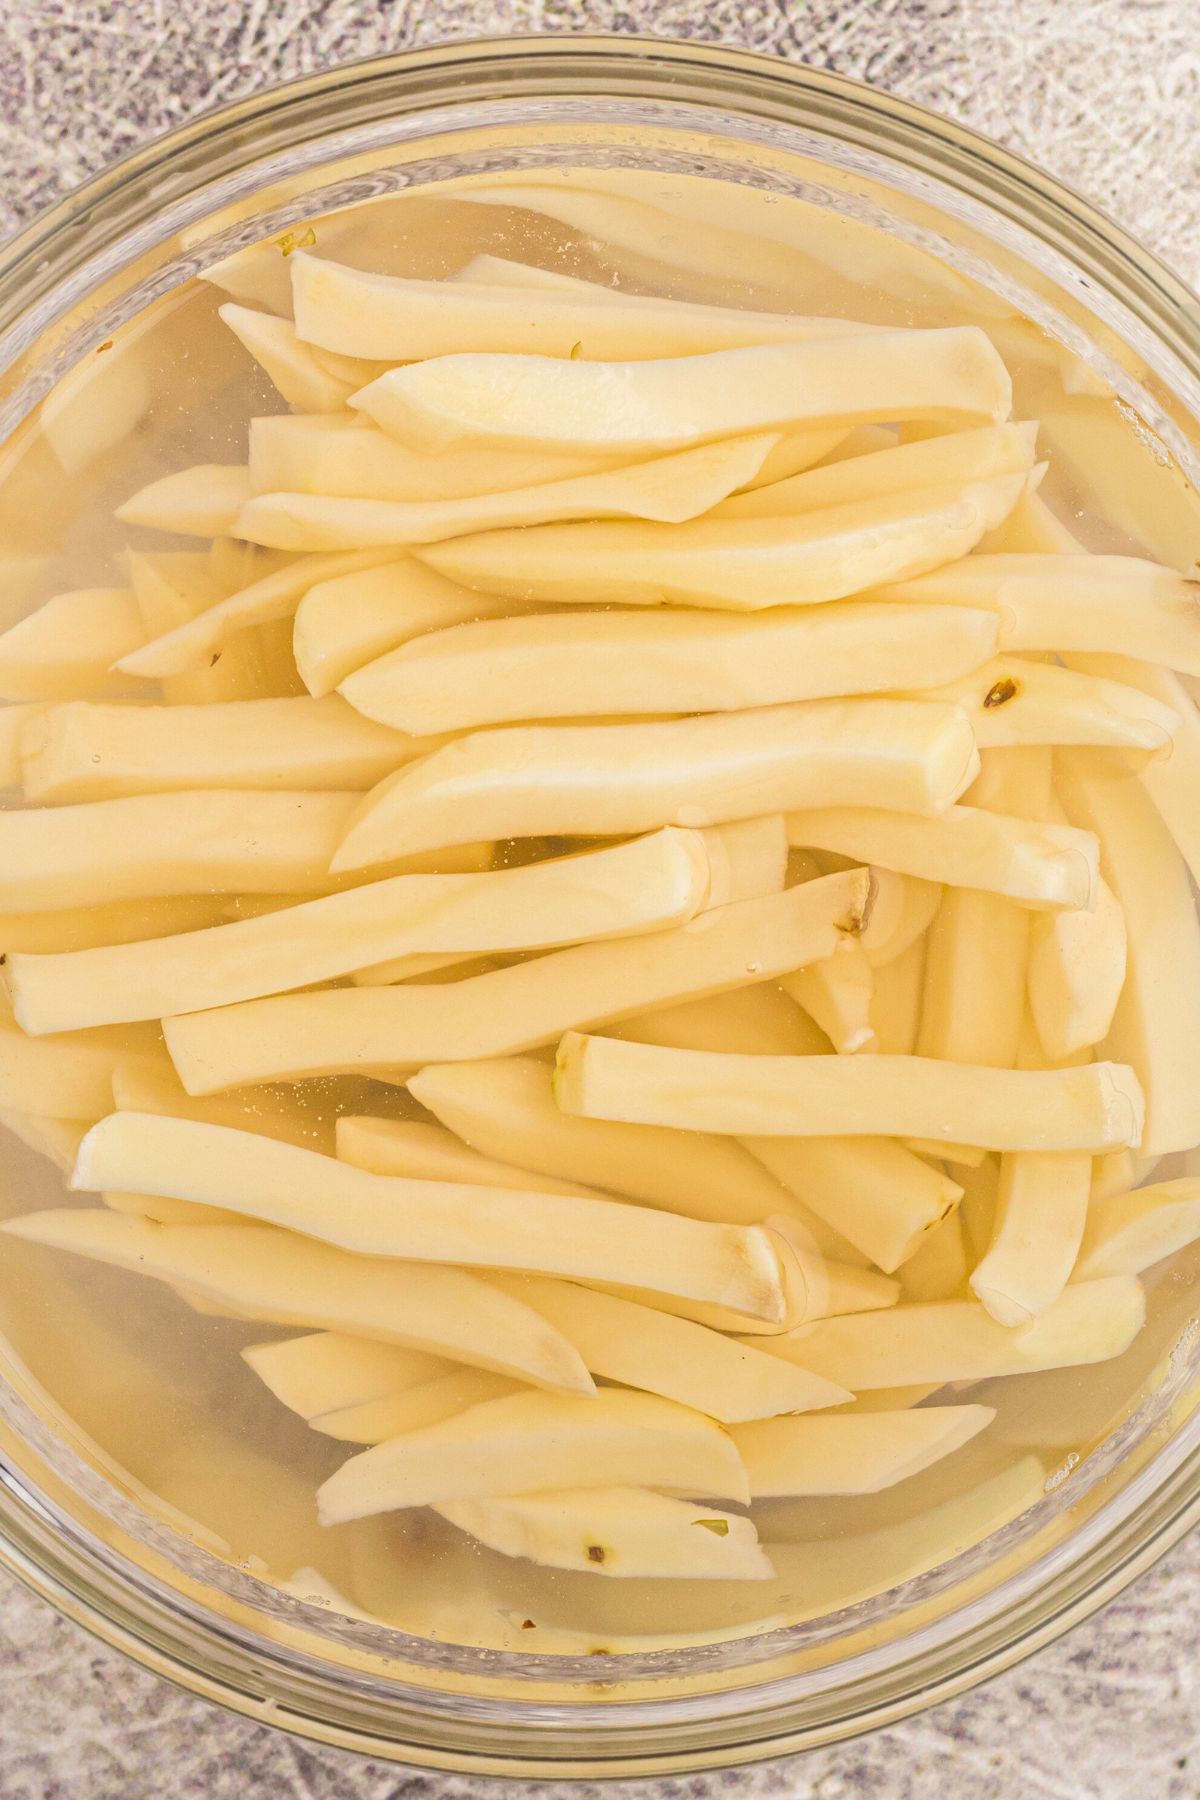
column 1012, row 1574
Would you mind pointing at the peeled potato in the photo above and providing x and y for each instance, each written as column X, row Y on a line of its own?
column 68, row 646
column 431, row 1153
column 296, row 370
column 200, row 502
column 856, row 1453
column 1012, row 700
column 328, row 1370
column 1129, row 1232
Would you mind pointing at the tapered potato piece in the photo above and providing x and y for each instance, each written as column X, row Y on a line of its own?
column 585, row 780
column 837, row 994
column 1155, row 1016
column 390, row 1415
column 627, row 888
column 938, row 1268
column 330, row 1371
column 874, row 1192
column 543, row 1441
column 172, row 587
column 896, row 1001
column 68, row 646
column 502, row 1011
column 635, row 1532
column 669, row 488
column 1077, row 963
column 353, row 620
column 956, row 1340
column 431, row 1222
column 200, row 502
column 854, row 1453
column 665, row 404
column 1012, row 700
column 643, row 1348
column 431, row 1153
column 506, row 1109
column 1032, row 528
column 58, row 1139
column 83, row 751
column 295, row 369
column 1045, row 867
column 1089, row 603
column 556, row 665
column 1127, row 1233
column 1041, row 1210
column 141, row 1087
column 1095, row 1108
column 734, row 565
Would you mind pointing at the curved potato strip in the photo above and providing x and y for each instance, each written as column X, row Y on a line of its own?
column 329, row 1370
column 431, row 1153
column 68, row 646
column 855, row 1453
column 1041, row 1210
column 200, row 502
column 1077, row 966
column 1014, row 701
column 390, row 1415
column 1127, row 1233
column 294, row 368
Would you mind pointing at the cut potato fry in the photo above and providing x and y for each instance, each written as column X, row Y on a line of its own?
column 974, row 998
column 68, row 646
column 643, row 1348
column 1011, row 700
column 836, row 1288
column 430, row 1222
column 585, row 665
column 956, row 1340
column 856, row 1453
column 736, row 565
column 889, row 935
column 1042, row 866
column 837, row 993
column 58, row 1139
column 1095, row 1108
column 431, row 1153
column 938, row 1268
column 1127, row 1233
column 896, row 1001
column 1041, row 1210
column 1160, row 1000
column 172, row 587
column 545, row 1441
column 872, row 1191
column 111, row 922
column 294, row 1280
column 162, row 1209
column 670, row 488
column 86, row 752
column 165, row 844
column 627, row 888
column 68, row 1077
column 638, row 1534
column 427, row 1403
column 500, row 1012
column 327, row 1371
column 141, row 1088
column 1077, row 963
column 297, row 371
column 584, row 780
column 531, row 400
column 200, row 502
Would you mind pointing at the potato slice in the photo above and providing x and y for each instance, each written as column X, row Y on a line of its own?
column 644, row 1348
column 532, row 400
column 68, row 646
column 874, row 1192
column 390, row 1415
column 293, row 367
column 637, row 1534
column 735, row 565
column 1045, row 867
column 431, row 1153
column 853, row 1453
column 938, row 1268
column 543, row 1441
column 1127, row 1233
column 294, row 1280
column 329, row 1371
column 166, row 844
column 585, row 780
column 627, row 888
column 670, row 488
column 837, row 994
column 1160, row 1000
column 200, row 502
column 1011, row 700
column 956, row 1340
column 896, row 1001
column 58, row 1139
column 83, row 751
column 584, row 665
column 1096, row 1108
column 497, row 1013
column 1077, row 963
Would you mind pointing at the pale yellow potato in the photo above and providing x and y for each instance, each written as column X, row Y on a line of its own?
column 611, row 1436
column 611, row 892
column 580, row 405
column 172, row 586
column 203, row 501
column 328, row 1371
column 670, row 488
column 95, row 407
column 58, row 1139
column 734, row 565
column 1129, row 1232
column 390, row 1415
column 139, row 1087
column 966, row 1156
column 1012, row 700
column 294, row 369
column 874, row 1192
column 1077, row 966
column 109, row 922
column 499, row 1012
column 921, row 902
column 1095, row 1108
column 1155, row 1018
column 889, row 1399
column 264, row 1273
column 814, row 1287
column 938, row 1267
column 68, row 646
column 837, row 993
column 1032, row 528
column 1044, row 867
column 431, row 1153
column 956, row 1340
column 896, row 1001
column 163, row 1209
column 1089, row 603
column 853, row 1453
column 556, row 665
column 1041, row 1210
column 84, row 751
column 585, row 780
column 637, row 1534
column 168, row 844
column 13, row 720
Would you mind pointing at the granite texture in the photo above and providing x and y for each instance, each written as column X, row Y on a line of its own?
column 1106, row 94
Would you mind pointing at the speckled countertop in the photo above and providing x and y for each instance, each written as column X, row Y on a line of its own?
column 1104, row 93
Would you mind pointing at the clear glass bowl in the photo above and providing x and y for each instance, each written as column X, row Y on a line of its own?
column 70, row 1522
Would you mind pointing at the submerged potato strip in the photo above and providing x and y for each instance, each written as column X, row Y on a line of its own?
column 68, row 646
column 1013, row 700
column 200, row 502
column 855, row 1453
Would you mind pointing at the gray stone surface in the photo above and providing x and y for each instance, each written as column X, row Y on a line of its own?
column 1106, row 94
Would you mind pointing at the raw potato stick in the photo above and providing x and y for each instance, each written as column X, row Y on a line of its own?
column 67, row 1077
column 431, row 1153
column 938, row 1268
column 68, row 646
column 328, row 1371
column 1041, row 1211
column 504, row 1011
column 1012, row 700
column 1077, row 964
column 390, row 1415
column 585, row 780
column 627, row 888
column 201, row 502
column 873, row 1191
column 262, row 1272
column 836, row 993
column 855, row 1453
column 1095, row 1108
column 302, row 378
column 896, row 1001
column 58, row 1139
column 1127, row 1233
column 568, row 665
column 112, row 922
